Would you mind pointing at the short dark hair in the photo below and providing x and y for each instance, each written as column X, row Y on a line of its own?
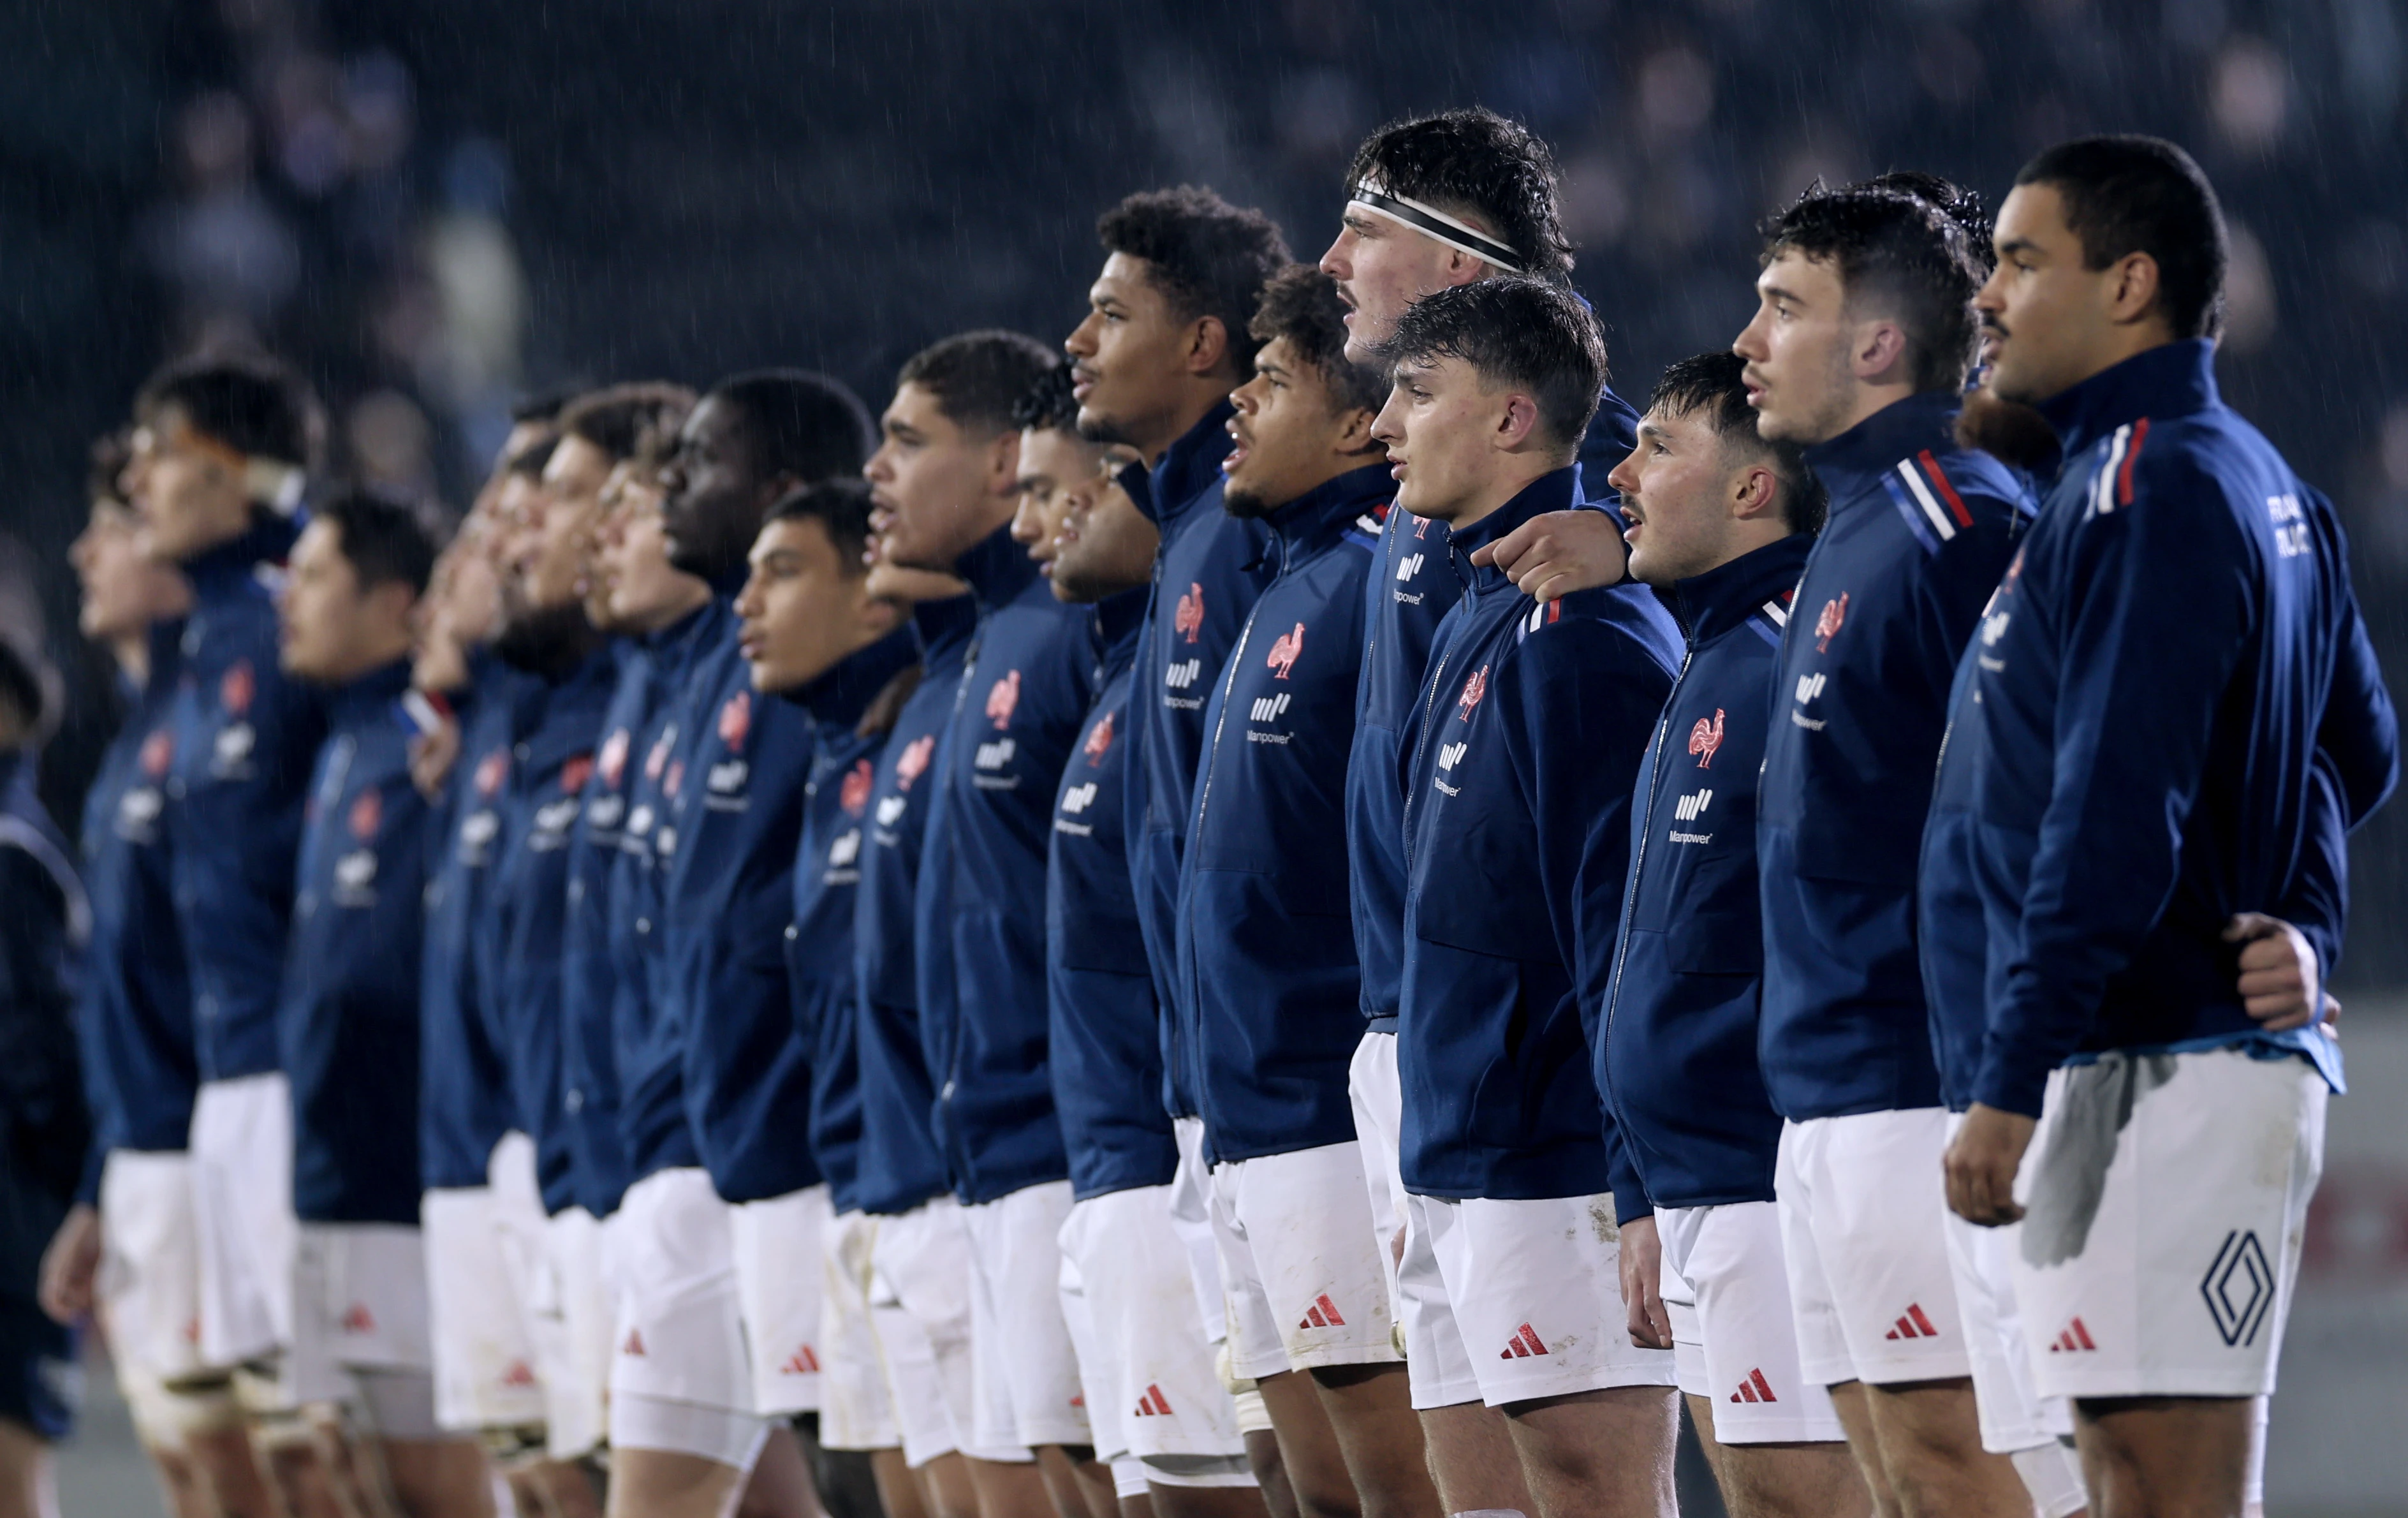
column 106, row 467
column 387, row 540
column 250, row 402
column 543, row 407
column 1895, row 247
column 979, row 377
column 530, row 460
column 1961, row 204
column 1531, row 334
column 803, row 424
column 1300, row 304
column 1048, row 404
column 841, row 507
column 1710, row 384
column 619, row 418
column 2135, row 194
column 1208, row 257
column 1474, row 160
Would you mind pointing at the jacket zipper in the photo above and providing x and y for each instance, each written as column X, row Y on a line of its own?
column 1638, row 864
column 1429, row 711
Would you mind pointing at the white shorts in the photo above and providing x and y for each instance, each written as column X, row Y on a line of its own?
column 359, row 1303
column 1734, row 1337
column 2167, row 1196
column 1154, row 1391
column 777, row 1270
column 1863, row 1212
column 575, row 1391
column 855, row 1411
column 242, row 1216
column 920, row 1302
column 1022, row 1361
column 485, row 1367
column 149, row 1285
column 1508, row 1301
column 1378, row 1095
column 681, row 1328
column 2014, row 1416
column 1190, row 1219
column 523, row 1236
column 1303, row 1278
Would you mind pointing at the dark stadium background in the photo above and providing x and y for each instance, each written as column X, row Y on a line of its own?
column 436, row 205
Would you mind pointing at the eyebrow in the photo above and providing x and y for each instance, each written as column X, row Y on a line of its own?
column 2018, row 245
column 1775, row 291
column 1649, row 429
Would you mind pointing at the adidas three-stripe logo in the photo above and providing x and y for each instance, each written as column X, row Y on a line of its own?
column 801, row 1363
column 1754, row 1389
column 2073, row 1339
column 1523, row 1345
column 1914, row 1325
column 1153, row 1404
column 1322, row 1314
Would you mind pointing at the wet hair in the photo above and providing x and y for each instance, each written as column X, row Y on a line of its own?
column 798, row 424
column 842, row 508
column 1529, row 334
column 543, row 407
column 106, row 467
column 617, row 419
column 1474, row 160
column 387, row 539
column 1961, row 204
column 250, row 402
column 1208, row 257
column 1301, row 304
column 1898, row 251
column 2136, row 195
column 1710, row 384
column 977, row 378
column 1048, row 404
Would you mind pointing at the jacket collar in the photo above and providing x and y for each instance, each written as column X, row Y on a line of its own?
column 1321, row 515
column 944, row 624
column 222, row 570
column 2171, row 379
column 1710, row 605
column 1119, row 619
column 1850, row 464
column 165, row 641
column 996, row 569
column 678, row 631
column 1548, row 492
column 837, row 699
column 1188, row 466
column 369, row 697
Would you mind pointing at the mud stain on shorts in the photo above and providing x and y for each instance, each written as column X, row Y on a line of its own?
column 2095, row 1106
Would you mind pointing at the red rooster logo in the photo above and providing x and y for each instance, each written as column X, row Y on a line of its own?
column 854, row 797
column 236, row 688
column 914, row 762
column 1100, row 742
column 1827, row 626
column 1002, row 699
column 491, row 771
column 158, row 752
column 574, row 774
column 1189, row 618
column 1706, row 738
column 614, row 758
column 735, row 721
column 1283, row 652
column 367, row 814
column 1473, row 689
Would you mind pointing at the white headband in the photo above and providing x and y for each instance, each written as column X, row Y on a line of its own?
column 1432, row 223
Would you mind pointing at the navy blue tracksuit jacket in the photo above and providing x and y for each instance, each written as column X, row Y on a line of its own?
column 1919, row 532
column 527, row 914
column 135, row 1020
column 1206, row 575
column 1106, row 1043
column 245, row 737
column 1676, row 1058
column 1518, row 781
column 1270, row 1002
column 827, row 885
column 727, row 854
column 463, row 1102
column 980, row 902
column 2174, row 645
column 901, row 1165
column 589, row 992
column 348, row 1025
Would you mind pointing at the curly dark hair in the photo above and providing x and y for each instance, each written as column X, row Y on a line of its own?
column 1208, row 257
column 1533, row 334
column 1899, row 252
column 1048, row 404
column 1473, row 160
column 1711, row 384
column 1300, row 304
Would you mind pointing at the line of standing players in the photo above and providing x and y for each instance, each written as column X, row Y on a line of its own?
column 1298, row 913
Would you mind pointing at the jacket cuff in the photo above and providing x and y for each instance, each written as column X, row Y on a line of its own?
column 1630, row 1205
column 2010, row 1090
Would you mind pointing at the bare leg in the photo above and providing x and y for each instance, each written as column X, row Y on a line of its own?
column 948, row 1488
column 1930, row 1435
column 779, row 1486
column 28, row 1482
column 1607, row 1454
column 438, row 1478
column 228, row 1467
column 2165, row 1457
column 1473, row 1459
column 1206, row 1502
column 1263, row 1453
column 1010, row 1489
column 899, row 1491
column 1080, row 1487
column 1371, row 1407
column 664, row 1484
column 1782, row 1481
column 1309, row 1453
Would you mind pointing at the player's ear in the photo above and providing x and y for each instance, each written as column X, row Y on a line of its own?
column 1208, row 344
column 1881, row 348
column 1756, row 493
column 1354, row 430
column 1003, row 463
column 2132, row 290
column 1518, row 421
